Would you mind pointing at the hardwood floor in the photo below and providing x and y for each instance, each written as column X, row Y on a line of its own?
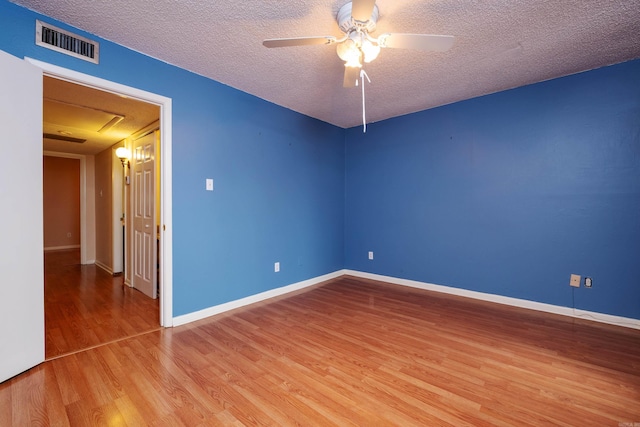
column 85, row 306
column 349, row 352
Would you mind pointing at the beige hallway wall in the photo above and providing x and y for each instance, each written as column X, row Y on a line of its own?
column 61, row 202
column 104, row 209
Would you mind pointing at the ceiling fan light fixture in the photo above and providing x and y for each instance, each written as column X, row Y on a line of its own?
column 354, row 63
column 357, row 19
column 349, row 52
column 347, row 49
column 370, row 50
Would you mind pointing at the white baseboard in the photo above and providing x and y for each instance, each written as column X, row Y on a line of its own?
column 515, row 302
column 61, row 248
column 499, row 299
column 104, row 267
column 231, row 305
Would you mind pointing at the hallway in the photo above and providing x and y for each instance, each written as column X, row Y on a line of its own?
column 86, row 307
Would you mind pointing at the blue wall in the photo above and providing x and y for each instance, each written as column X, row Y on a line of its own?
column 279, row 175
column 508, row 193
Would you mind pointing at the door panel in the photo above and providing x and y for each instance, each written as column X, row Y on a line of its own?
column 21, row 218
column 144, row 217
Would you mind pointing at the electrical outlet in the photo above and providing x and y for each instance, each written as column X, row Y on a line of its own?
column 209, row 184
column 276, row 267
column 588, row 282
column 370, row 254
column 575, row 281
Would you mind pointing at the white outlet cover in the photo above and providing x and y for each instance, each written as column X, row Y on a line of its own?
column 575, row 281
column 276, row 267
column 209, row 184
column 370, row 254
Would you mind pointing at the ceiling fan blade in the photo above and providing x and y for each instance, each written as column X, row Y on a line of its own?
column 299, row 41
column 361, row 10
column 427, row 42
column 351, row 75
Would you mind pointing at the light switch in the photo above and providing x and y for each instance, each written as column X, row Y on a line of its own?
column 209, row 184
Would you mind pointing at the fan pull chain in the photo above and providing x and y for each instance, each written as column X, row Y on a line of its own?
column 363, row 74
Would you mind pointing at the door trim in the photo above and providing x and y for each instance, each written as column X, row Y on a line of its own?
column 166, row 202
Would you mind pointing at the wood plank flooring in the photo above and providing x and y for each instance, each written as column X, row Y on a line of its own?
column 351, row 353
column 85, row 306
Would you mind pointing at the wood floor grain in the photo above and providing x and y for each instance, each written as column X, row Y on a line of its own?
column 351, row 353
column 85, row 306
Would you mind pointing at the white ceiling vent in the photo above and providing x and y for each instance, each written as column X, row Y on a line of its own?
column 63, row 41
column 60, row 137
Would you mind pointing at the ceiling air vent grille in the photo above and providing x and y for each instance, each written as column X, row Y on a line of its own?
column 63, row 138
column 65, row 42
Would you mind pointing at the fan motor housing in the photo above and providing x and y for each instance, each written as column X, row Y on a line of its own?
column 347, row 23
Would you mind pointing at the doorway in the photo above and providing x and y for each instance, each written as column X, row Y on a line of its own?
column 85, row 305
column 165, row 231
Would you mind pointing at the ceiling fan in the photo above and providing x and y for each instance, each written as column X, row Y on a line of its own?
column 357, row 19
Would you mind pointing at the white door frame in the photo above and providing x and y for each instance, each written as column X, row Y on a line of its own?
column 166, row 202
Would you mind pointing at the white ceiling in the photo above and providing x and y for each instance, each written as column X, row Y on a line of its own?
column 500, row 44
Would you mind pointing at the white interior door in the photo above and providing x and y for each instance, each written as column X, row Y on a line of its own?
column 21, row 218
column 144, row 216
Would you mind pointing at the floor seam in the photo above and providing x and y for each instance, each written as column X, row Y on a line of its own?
column 93, row 347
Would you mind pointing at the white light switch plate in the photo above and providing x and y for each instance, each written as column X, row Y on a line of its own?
column 209, row 184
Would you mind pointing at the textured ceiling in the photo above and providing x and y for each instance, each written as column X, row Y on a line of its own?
column 75, row 111
column 500, row 44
